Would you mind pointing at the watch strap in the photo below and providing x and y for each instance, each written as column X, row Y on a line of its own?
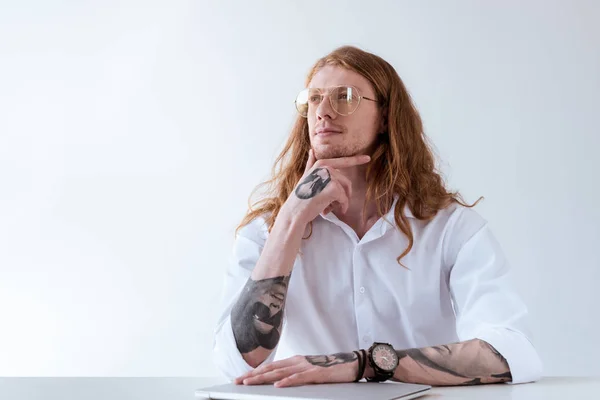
column 361, row 363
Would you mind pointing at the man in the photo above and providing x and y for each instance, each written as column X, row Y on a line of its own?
column 360, row 264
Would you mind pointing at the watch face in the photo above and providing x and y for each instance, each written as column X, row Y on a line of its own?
column 385, row 357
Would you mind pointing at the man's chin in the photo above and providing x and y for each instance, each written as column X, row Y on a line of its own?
column 333, row 153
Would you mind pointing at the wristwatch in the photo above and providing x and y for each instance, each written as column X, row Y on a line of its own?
column 384, row 361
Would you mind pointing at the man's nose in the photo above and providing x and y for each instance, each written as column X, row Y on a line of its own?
column 324, row 109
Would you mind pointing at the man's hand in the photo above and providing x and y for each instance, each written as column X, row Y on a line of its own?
column 303, row 370
column 322, row 188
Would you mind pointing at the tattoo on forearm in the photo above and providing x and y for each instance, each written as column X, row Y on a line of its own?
column 473, row 362
column 257, row 316
column 333, row 359
column 313, row 184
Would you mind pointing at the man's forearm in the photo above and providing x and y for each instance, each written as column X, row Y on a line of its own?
column 257, row 316
column 472, row 362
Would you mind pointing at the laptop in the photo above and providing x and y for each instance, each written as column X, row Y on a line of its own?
column 330, row 391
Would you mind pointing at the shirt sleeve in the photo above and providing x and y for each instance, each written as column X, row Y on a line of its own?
column 486, row 305
column 247, row 248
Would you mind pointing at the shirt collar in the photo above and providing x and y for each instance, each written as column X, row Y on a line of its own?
column 389, row 216
column 385, row 223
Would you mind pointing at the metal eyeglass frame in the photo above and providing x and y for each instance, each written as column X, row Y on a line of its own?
column 329, row 90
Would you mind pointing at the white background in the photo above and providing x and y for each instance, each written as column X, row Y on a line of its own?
column 131, row 134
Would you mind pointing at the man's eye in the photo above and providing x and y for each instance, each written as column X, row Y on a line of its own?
column 315, row 99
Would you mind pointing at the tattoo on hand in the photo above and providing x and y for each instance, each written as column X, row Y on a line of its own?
column 257, row 316
column 333, row 359
column 314, row 183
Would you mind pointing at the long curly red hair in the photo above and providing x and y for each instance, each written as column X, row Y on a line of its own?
column 403, row 161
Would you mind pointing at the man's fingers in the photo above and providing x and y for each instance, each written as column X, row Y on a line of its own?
column 343, row 198
column 264, row 368
column 344, row 162
column 341, row 204
column 240, row 379
column 298, row 379
column 345, row 182
column 311, row 160
column 272, row 376
column 343, row 201
column 345, row 194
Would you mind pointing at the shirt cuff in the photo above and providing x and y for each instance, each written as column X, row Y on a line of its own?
column 522, row 358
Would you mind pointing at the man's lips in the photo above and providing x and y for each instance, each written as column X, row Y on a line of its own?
column 326, row 132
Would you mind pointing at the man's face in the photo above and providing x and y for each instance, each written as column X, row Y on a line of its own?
column 357, row 131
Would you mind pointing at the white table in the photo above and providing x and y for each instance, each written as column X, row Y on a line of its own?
column 183, row 388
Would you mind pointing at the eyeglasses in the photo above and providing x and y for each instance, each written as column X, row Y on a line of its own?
column 344, row 100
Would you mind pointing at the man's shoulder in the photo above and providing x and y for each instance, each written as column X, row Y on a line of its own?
column 456, row 223
column 461, row 223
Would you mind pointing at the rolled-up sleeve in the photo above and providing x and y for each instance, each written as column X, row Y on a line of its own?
column 487, row 306
column 247, row 248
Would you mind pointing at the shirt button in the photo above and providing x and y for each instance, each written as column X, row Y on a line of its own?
column 362, row 289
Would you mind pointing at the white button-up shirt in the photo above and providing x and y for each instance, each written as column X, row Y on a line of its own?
column 345, row 292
